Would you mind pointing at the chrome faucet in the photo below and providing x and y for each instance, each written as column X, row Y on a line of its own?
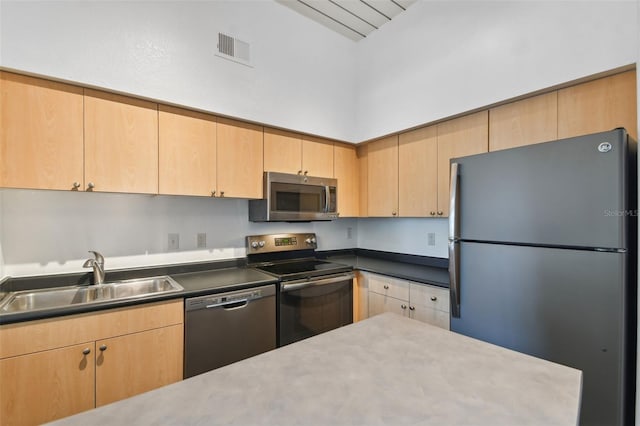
column 98, row 267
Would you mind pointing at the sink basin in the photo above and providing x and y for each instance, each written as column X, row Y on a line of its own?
column 50, row 298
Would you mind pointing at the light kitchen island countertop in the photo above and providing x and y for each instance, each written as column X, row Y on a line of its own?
column 386, row 370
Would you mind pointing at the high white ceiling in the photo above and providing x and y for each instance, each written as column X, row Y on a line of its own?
column 354, row 19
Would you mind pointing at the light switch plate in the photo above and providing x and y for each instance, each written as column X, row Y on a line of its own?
column 431, row 238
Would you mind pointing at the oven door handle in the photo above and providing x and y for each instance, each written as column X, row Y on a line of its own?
column 299, row 284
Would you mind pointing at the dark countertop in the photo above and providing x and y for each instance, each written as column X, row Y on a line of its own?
column 215, row 281
column 195, row 283
column 409, row 267
column 214, row 277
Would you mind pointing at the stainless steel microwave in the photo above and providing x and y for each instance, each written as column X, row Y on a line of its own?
column 295, row 198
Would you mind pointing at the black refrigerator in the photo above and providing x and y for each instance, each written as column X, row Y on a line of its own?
column 543, row 260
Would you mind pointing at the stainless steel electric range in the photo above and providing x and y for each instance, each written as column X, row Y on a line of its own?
column 314, row 295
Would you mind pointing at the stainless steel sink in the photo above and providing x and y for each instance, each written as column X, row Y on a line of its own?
column 57, row 297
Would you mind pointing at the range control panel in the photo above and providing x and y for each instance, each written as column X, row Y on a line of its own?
column 280, row 242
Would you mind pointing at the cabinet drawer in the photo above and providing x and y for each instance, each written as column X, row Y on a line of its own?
column 389, row 287
column 434, row 297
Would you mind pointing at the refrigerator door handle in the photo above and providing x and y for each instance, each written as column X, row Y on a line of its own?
column 454, row 245
column 454, row 221
column 454, row 278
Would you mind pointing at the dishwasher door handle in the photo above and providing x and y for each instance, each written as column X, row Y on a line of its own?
column 297, row 285
column 239, row 304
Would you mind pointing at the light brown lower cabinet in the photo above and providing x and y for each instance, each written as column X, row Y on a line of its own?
column 48, row 385
column 43, row 377
column 118, row 374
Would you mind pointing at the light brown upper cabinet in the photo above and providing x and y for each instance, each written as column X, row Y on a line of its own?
column 240, row 156
column 418, row 173
column 41, row 144
column 347, row 173
column 363, row 178
column 121, row 143
column 187, row 152
column 598, row 106
column 382, row 179
column 459, row 137
column 317, row 157
column 524, row 122
column 282, row 151
column 289, row 152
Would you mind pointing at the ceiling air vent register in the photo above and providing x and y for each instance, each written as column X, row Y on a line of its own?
column 233, row 49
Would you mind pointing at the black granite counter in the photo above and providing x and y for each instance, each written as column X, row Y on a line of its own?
column 427, row 270
column 218, row 276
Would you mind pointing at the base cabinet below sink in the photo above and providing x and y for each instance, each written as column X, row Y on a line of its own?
column 54, row 368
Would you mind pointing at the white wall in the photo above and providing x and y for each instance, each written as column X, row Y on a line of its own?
column 303, row 75
column 47, row 232
column 442, row 58
column 403, row 235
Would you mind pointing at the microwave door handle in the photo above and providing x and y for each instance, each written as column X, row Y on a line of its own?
column 327, row 190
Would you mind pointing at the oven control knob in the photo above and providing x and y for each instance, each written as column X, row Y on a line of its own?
column 254, row 245
column 261, row 243
column 310, row 241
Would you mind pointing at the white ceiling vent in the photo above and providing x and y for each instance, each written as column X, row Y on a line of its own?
column 233, row 49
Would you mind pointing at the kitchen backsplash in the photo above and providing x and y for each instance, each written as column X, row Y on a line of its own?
column 45, row 232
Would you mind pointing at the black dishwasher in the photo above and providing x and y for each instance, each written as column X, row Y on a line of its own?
column 223, row 328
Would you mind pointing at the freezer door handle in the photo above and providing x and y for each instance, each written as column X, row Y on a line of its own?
column 453, row 204
column 454, row 278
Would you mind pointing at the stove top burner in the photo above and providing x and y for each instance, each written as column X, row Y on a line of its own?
column 300, row 267
column 289, row 256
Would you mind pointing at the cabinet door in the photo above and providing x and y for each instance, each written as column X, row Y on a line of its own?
column 525, row 122
column 45, row 386
column 187, row 152
column 598, row 106
column 317, row 157
column 41, row 143
column 383, row 177
column 363, row 168
column 379, row 303
column 240, row 154
column 121, row 143
column 459, row 137
column 429, row 315
column 282, row 151
column 418, row 173
column 346, row 171
column 139, row 362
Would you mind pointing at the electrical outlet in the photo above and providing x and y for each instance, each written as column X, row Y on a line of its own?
column 349, row 233
column 174, row 241
column 201, row 240
column 431, row 238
